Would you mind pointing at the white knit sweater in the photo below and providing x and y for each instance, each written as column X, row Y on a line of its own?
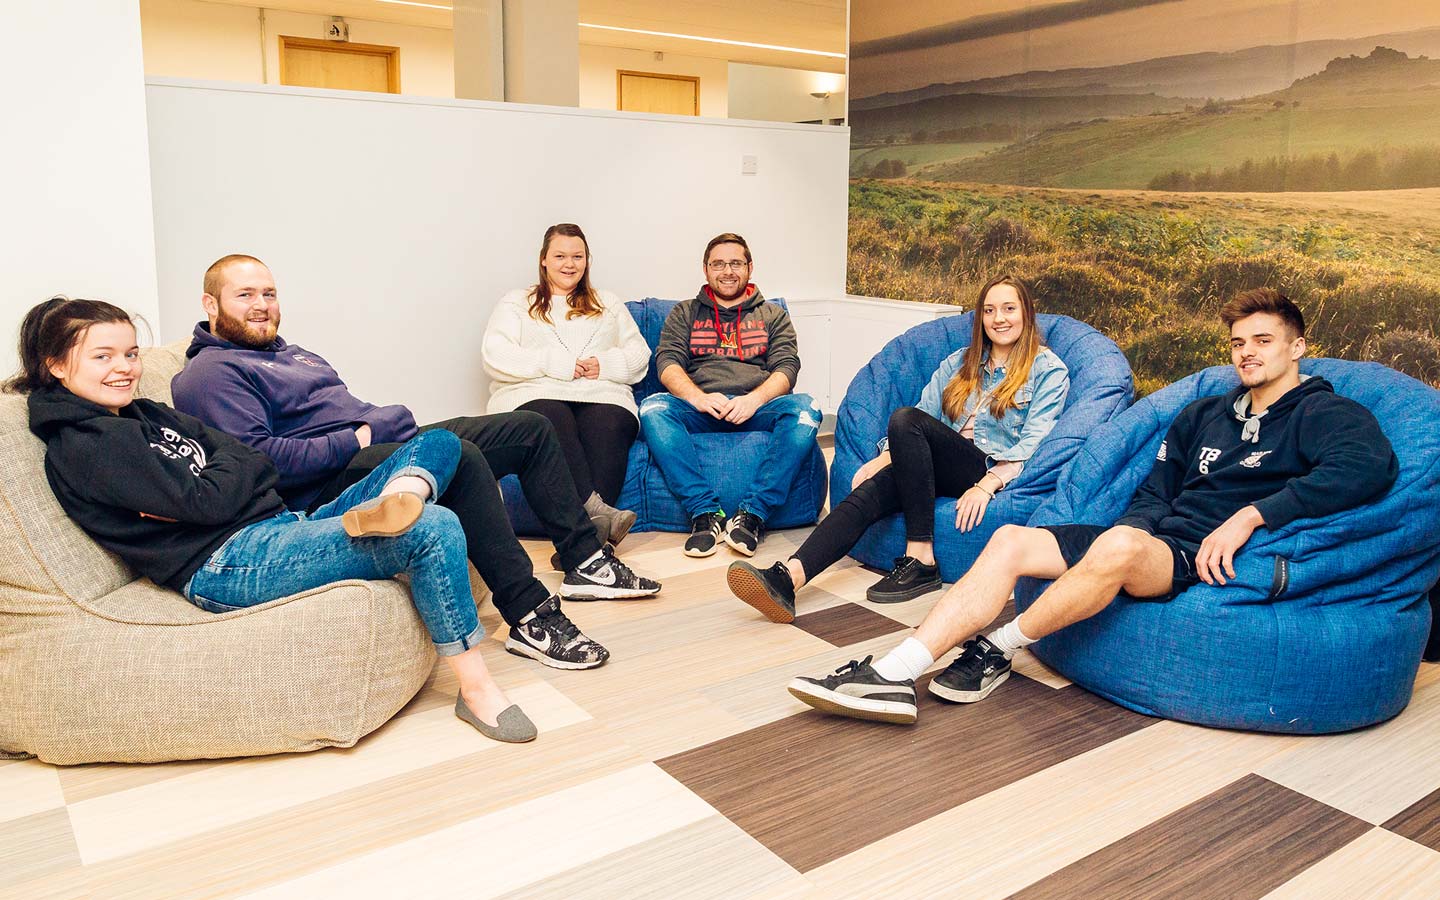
column 530, row 359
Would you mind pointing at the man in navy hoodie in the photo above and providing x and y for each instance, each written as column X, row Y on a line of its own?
column 1282, row 446
column 243, row 378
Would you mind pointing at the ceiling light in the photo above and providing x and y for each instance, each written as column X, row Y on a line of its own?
column 413, row 3
column 710, row 40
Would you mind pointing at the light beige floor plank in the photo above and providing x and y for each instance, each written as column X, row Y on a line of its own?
column 28, row 787
column 1376, row 772
column 129, row 821
column 297, row 840
column 1026, row 664
column 1042, row 823
column 36, row 846
column 710, row 859
column 1378, row 864
column 505, row 850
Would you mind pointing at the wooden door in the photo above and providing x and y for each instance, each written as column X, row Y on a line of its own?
column 655, row 93
column 339, row 65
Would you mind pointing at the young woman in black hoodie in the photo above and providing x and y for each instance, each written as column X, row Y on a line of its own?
column 196, row 510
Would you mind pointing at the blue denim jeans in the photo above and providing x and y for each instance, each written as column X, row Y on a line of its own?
column 295, row 551
column 668, row 422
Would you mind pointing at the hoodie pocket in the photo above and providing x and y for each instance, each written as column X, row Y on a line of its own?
column 1280, row 582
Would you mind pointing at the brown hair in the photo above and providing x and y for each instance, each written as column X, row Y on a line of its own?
column 1263, row 300
column 50, row 331
column 1017, row 367
column 584, row 300
column 215, row 275
column 728, row 237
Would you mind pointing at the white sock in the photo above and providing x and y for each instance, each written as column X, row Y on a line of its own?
column 591, row 558
column 1010, row 639
column 906, row 662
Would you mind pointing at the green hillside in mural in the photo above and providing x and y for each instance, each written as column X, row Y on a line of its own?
column 1150, row 268
column 1357, row 105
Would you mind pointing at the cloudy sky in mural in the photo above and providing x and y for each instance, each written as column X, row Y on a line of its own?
column 899, row 46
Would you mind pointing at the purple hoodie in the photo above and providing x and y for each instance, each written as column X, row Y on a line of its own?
column 285, row 402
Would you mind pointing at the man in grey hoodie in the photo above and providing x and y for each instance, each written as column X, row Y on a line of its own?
column 729, row 360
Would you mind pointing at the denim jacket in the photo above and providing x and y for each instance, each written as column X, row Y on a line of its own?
column 1015, row 435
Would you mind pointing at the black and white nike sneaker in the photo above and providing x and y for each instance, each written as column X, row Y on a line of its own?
column 744, row 532
column 857, row 690
column 551, row 639
column 606, row 578
column 979, row 669
column 705, row 532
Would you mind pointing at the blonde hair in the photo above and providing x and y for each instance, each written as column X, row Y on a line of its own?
column 1017, row 368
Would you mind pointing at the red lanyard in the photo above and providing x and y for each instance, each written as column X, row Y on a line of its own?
column 738, row 343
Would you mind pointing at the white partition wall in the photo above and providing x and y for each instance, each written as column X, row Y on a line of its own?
column 393, row 225
column 74, row 173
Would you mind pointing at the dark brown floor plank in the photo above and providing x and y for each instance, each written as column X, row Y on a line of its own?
column 1420, row 822
column 814, row 787
column 1244, row 840
column 846, row 624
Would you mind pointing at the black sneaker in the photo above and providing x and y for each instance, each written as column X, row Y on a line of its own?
column 745, row 532
column 606, row 578
column 769, row 590
column 858, row 691
column 979, row 669
column 909, row 579
column 705, row 530
column 551, row 639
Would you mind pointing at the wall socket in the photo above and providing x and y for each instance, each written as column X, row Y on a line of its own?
column 749, row 165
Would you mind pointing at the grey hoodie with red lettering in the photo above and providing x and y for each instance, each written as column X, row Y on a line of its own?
column 732, row 361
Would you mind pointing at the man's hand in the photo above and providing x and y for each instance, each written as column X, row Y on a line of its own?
column 970, row 508
column 742, row 408
column 1217, row 552
column 589, row 367
column 717, row 405
column 867, row 471
column 362, row 434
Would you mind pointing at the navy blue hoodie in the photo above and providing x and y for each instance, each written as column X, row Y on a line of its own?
column 1313, row 453
column 286, row 402
column 153, row 486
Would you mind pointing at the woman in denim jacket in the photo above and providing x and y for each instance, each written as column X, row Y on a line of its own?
column 982, row 415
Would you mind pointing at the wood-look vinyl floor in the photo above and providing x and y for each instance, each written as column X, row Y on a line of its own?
column 684, row 769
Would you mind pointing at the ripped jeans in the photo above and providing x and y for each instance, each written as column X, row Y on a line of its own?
column 294, row 551
column 668, row 422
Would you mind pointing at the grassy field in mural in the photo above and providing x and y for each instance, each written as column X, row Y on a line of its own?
column 1151, row 268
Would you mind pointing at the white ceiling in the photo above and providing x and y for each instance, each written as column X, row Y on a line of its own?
column 804, row 24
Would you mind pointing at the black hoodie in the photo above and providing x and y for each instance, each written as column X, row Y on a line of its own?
column 152, row 485
column 1311, row 454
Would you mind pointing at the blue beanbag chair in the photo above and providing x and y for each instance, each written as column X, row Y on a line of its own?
column 1323, row 626
column 1100, row 388
column 724, row 458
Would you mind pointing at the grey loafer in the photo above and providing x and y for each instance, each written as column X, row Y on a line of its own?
column 512, row 725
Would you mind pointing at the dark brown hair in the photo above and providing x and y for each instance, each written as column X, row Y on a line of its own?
column 584, row 301
column 1017, row 367
column 1263, row 300
column 215, row 275
column 50, row 331
column 728, row 237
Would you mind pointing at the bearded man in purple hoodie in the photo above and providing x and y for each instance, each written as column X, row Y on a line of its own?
column 242, row 378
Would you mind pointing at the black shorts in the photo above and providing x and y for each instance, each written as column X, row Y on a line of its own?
column 1075, row 541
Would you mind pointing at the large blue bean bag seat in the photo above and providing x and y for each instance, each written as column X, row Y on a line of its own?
column 726, row 460
column 1322, row 628
column 1100, row 388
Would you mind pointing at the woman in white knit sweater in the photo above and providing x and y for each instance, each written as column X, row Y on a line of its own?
column 570, row 353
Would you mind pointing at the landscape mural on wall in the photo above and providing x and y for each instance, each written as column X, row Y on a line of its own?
column 1138, row 161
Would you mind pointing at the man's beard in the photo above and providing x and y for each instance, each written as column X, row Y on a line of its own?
column 231, row 329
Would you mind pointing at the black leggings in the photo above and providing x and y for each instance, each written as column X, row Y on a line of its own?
column 927, row 459
column 596, row 439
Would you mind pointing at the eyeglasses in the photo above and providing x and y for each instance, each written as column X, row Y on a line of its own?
column 734, row 265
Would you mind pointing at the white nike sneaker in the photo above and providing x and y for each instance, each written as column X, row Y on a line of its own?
column 606, row 578
column 551, row 639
